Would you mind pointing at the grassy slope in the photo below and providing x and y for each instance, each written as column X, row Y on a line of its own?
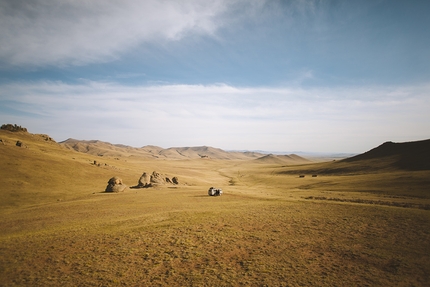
column 58, row 228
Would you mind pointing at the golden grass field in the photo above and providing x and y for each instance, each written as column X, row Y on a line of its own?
column 363, row 223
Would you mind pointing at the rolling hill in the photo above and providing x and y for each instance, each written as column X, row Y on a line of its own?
column 407, row 155
column 41, row 169
column 282, row 159
column 100, row 148
column 388, row 157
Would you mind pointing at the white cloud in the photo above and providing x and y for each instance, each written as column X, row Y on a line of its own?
column 338, row 119
column 77, row 32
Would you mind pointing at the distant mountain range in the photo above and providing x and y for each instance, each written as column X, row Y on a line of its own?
column 305, row 154
column 100, row 148
column 413, row 155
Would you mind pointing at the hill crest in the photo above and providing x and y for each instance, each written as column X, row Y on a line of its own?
column 282, row 159
column 414, row 155
column 100, row 148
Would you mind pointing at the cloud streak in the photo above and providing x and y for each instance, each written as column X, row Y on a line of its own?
column 79, row 32
column 342, row 119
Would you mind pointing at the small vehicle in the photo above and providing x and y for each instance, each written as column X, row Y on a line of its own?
column 214, row 191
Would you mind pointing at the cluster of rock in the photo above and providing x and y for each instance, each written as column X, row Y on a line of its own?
column 18, row 143
column 149, row 180
column 13, row 128
column 96, row 163
column 115, row 184
column 46, row 138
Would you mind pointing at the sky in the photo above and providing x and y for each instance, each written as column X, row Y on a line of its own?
column 275, row 75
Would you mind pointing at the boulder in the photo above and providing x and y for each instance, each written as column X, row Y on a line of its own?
column 157, row 178
column 175, row 180
column 144, row 180
column 21, row 144
column 115, row 184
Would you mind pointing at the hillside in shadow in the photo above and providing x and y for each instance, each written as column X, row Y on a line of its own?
column 388, row 157
column 407, row 156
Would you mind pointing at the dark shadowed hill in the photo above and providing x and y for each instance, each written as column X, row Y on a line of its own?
column 408, row 155
column 388, row 157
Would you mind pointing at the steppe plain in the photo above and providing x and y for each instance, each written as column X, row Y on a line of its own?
column 358, row 222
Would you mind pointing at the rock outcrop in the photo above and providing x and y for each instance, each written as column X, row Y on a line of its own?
column 13, row 128
column 115, row 184
column 150, row 180
column 157, row 178
column 144, row 181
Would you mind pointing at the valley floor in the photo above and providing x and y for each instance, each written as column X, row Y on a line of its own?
column 352, row 224
column 270, row 228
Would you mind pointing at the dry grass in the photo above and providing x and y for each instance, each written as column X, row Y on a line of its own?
column 59, row 229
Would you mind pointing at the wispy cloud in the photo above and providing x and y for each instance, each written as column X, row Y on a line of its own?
column 342, row 119
column 77, row 32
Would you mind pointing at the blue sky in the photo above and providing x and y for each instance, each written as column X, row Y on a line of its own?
column 322, row 76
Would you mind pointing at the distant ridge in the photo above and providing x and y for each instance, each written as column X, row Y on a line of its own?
column 413, row 155
column 100, row 148
column 387, row 157
column 282, row 159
